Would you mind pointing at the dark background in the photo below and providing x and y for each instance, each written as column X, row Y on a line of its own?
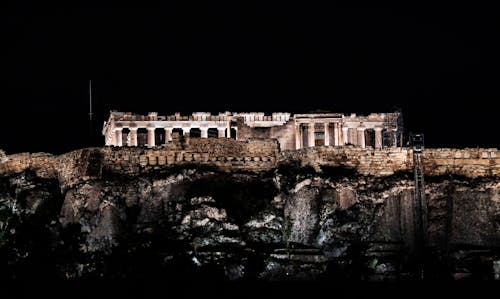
column 439, row 64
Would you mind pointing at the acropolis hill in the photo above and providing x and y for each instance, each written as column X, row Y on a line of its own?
column 250, row 196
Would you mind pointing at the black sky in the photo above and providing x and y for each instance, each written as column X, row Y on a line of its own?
column 439, row 64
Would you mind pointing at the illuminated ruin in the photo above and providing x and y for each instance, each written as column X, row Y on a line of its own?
column 377, row 130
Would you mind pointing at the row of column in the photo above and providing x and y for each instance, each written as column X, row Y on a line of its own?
column 338, row 137
column 361, row 140
column 117, row 137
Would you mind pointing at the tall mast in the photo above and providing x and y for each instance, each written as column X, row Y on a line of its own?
column 90, row 100
column 91, row 117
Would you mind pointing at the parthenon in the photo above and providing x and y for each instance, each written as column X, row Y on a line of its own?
column 376, row 130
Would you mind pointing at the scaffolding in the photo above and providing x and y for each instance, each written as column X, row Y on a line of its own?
column 417, row 142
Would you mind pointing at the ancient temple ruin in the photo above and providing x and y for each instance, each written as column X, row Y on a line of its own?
column 376, row 130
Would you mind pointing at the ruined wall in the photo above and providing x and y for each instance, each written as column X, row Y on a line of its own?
column 367, row 161
column 471, row 162
column 43, row 164
column 3, row 156
column 245, row 132
column 285, row 134
column 251, row 155
column 386, row 161
column 78, row 166
column 226, row 154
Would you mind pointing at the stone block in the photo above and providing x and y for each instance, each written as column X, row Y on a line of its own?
column 143, row 160
column 152, row 160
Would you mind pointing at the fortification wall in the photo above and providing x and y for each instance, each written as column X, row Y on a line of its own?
column 225, row 154
column 251, row 155
column 43, row 164
column 471, row 162
column 89, row 163
column 366, row 161
column 442, row 161
column 80, row 165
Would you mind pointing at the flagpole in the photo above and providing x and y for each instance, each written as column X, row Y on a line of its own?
column 91, row 116
column 90, row 100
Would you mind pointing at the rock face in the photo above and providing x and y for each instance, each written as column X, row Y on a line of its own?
column 289, row 223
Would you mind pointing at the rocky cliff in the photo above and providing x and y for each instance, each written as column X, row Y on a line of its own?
column 80, row 218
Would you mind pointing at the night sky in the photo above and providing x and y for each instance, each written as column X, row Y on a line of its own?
column 439, row 64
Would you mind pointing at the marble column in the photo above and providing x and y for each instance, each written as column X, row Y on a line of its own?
column 341, row 138
column 311, row 139
column 118, row 137
column 133, row 137
column 204, row 132
column 327, row 134
column 298, row 136
column 336, row 134
column 228, row 126
column 361, row 137
column 395, row 138
column 378, row 138
column 168, row 134
column 345, row 135
column 151, row 137
column 221, row 132
column 110, row 139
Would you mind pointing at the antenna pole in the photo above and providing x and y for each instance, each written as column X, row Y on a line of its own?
column 91, row 116
column 90, row 100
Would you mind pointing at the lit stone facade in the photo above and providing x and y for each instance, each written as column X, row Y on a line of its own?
column 377, row 130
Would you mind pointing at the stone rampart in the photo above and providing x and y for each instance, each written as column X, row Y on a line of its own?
column 43, row 164
column 468, row 162
column 225, row 154
column 366, row 161
column 251, row 155
column 80, row 165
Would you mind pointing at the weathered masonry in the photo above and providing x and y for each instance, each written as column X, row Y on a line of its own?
column 377, row 130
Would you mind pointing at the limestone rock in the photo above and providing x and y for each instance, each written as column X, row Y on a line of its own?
column 266, row 228
column 85, row 221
